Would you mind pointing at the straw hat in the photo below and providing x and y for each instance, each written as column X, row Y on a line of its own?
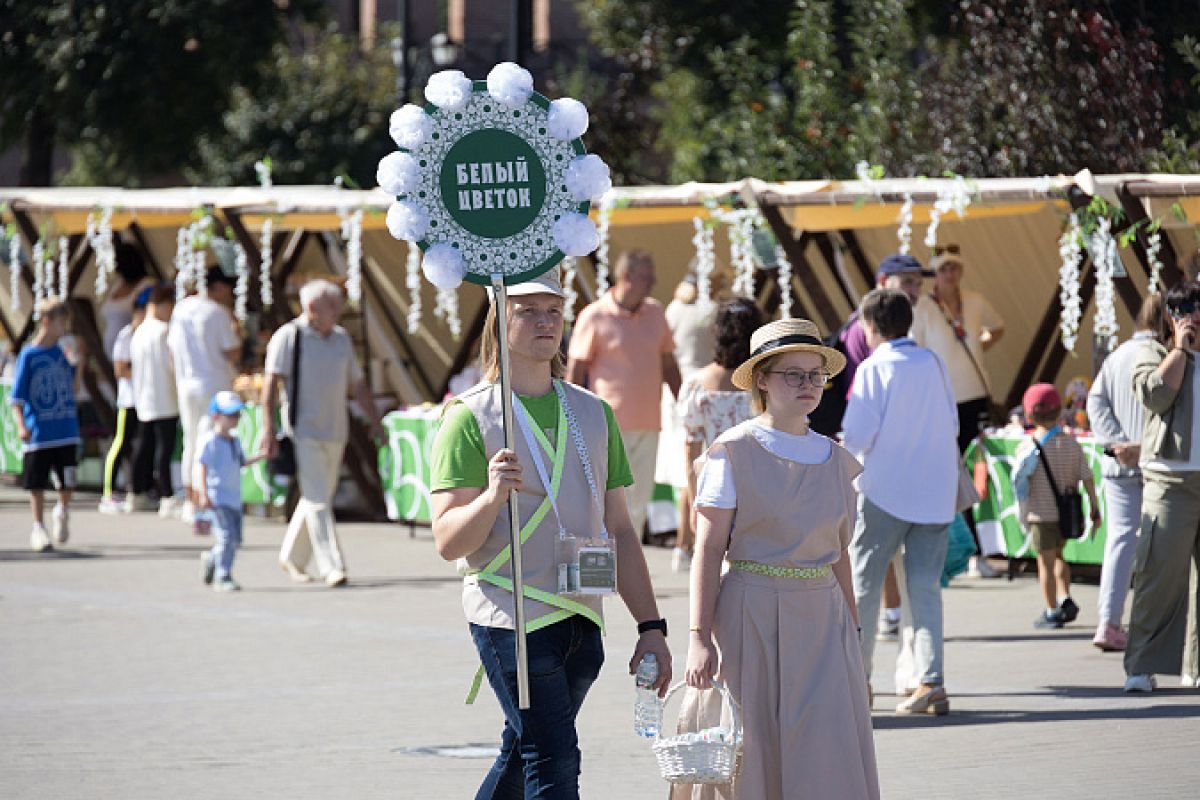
column 786, row 336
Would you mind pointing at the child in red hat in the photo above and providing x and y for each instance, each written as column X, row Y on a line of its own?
column 1051, row 458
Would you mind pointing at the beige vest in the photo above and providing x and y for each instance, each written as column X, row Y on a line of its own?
column 485, row 603
column 789, row 514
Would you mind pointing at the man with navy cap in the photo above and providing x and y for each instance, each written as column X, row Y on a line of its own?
column 897, row 271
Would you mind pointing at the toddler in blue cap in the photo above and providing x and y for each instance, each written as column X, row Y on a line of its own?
column 219, row 483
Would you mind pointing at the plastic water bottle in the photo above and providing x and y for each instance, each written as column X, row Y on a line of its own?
column 647, row 708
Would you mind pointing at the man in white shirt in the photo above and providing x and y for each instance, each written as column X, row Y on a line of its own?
column 205, row 344
column 329, row 371
column 901, row 422
column 154, row 394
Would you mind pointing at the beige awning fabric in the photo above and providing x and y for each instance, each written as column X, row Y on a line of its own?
column 852, row 205
column 1008, row 235
column 64, row 211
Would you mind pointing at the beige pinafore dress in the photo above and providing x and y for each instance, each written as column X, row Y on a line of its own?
column 789, row 646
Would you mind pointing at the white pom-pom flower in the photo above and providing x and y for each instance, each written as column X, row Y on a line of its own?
column 407, row 221
column 510, row 83
column 587, row 177
column 568, row 119
column 449, row 90
column 575, row 234
column 443, row 266
column 398, row 173
column 410, row 126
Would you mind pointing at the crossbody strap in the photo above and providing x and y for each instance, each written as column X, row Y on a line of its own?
column 1046, row 462
column 963, row 341
column 294, row 395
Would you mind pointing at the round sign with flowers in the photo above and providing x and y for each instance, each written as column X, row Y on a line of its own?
column 491, row 178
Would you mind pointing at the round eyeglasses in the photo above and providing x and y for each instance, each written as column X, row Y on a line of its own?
column 796, row 378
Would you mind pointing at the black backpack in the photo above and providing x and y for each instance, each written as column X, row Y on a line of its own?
column 826, row 419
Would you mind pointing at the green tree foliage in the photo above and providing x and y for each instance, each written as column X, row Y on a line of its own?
column 994, row 87
column 1034, row 87
column 319, row 109
column 126, row 85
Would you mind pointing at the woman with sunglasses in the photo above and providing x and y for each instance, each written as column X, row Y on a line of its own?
column 777, row 502
column 1162, row 626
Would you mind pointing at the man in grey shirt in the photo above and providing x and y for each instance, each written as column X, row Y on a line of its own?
column 1116, row 418
column 328, row 374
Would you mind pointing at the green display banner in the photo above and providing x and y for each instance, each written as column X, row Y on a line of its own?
column 257, row 486
column 404, row 464
column 997, row 518
column 10, row 443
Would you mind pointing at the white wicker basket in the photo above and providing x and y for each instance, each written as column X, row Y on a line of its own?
column 683, row 759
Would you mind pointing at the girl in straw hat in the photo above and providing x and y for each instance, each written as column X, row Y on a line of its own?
column 569, row 471
column 776, row 501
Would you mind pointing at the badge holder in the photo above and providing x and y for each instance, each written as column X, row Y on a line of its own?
column 586, row 567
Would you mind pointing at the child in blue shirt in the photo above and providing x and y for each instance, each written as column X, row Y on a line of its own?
column 43, row 405
column 219, row 483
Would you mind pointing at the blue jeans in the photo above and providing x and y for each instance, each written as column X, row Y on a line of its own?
column 227, row 537
column 539, row 749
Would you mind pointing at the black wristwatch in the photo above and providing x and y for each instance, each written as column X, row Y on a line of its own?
column 653, row 625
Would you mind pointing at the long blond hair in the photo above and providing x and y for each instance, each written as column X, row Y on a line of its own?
column 489, row 351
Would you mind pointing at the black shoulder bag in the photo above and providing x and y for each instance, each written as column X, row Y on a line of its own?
column 1069, row 502
column 284, row 462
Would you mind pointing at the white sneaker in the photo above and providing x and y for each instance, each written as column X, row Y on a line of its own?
column 980, row 568
column 681, row 560
column 167, row 507
column 110, row 506
column 39, row 540
column 1140, row 683
column 336, row 577
column 187, row 512
column 59, row 521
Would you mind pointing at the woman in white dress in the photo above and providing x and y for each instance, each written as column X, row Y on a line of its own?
column 709, row 405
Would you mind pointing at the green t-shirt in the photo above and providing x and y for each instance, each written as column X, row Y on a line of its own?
column 464, row 464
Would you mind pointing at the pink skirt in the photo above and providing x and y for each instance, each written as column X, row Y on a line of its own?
column 791, row 659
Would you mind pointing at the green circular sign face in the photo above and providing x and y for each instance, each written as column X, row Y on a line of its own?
column 492, row 183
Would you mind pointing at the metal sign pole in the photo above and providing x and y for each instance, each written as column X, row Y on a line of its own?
column 514, row 520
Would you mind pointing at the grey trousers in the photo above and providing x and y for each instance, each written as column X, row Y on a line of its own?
column 1122, row 519
column 1162, row 624
column 877, row 537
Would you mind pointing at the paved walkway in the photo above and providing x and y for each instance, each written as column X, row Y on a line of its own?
column 122, row 677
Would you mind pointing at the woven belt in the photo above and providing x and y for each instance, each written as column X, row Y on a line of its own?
column 795, row 573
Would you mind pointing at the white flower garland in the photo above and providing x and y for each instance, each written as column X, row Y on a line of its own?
column 603, row 218
column 242, row 288
column 446, row 308
column 39, row 276
column 742, row 223
column 412, row 281
column 264, row 270
column 784, row 278
column 904, row 229
column 706, row 259
column 14, row 270
column 64, row 268
column 956, row 198
column 183, row 262
column 1070, row 249
column 570, row 296
column 1104, row 256
column 1153, row 245
column 352, row 235
column 199, row 274
column 100, row 237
